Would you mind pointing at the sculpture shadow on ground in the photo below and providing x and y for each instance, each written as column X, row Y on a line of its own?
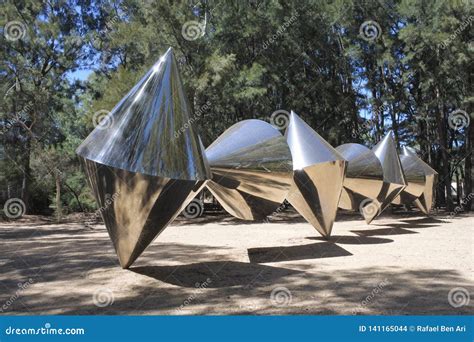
column 419, row 291
column 215, row 274
column 399, row 228
column 424, row 222
column 301, row 252
column 68, row 271
column 383, row 231
column 352, row 240
column 405, row 225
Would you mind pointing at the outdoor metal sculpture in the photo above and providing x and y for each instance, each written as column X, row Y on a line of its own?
column 251, row 169
column 393, row 177
column 364, row 179
column 318, row 175
column 370, row 186
column 148, row 163
column 421, row 179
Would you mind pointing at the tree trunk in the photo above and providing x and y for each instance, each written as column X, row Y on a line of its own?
column 57, row 176
column 25, row 186
column 468, row 172
column 445, row 177
column 76, row 196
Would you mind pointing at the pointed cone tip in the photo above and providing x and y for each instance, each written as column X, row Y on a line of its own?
column 167, row 56
column 369, row 219
column 158, row 97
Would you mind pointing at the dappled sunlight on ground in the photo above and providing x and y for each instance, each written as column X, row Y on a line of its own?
column 401, row 264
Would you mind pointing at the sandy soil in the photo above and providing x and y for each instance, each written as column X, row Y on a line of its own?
column 401, row 264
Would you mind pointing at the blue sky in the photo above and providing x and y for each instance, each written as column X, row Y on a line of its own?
column 80, row 75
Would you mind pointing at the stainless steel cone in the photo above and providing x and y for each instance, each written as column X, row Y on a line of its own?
column 251, row 169
column 393, row 177
column 363, row 182
column 374, row 177
column 147, row 163
column 318, row 175
column 421, row 180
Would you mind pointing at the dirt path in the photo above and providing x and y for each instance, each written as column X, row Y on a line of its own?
column 398, row 265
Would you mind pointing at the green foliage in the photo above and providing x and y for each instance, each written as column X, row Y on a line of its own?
column 254, row 57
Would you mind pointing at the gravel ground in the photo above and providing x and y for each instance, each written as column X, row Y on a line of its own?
column 402, row 264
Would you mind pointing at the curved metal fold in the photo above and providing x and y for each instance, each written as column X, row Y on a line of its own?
column 374, row 177
column 136, row 208
column 318, row 175
column 421, row 180
column 148, row 164
column 363, row 182
column 251, row 169
column 393, row 176
column 151, row 130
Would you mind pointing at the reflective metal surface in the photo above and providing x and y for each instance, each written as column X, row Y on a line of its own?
column 251, row 169
column 317, row 178
column 421, row 180
column 150, row 129
column 374, row 178
column 148, row 164
column 393, row 177
column 136, row 208
column 363, row 182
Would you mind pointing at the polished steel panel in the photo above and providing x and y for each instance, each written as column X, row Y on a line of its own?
column 363, row 182
column 386, row 152
column 421, row 179
column 135, row 207
column 318, row 175
column 374, row 178
column 251, row 169
column 393, row 176
column 148, row 164
column 150, row 130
